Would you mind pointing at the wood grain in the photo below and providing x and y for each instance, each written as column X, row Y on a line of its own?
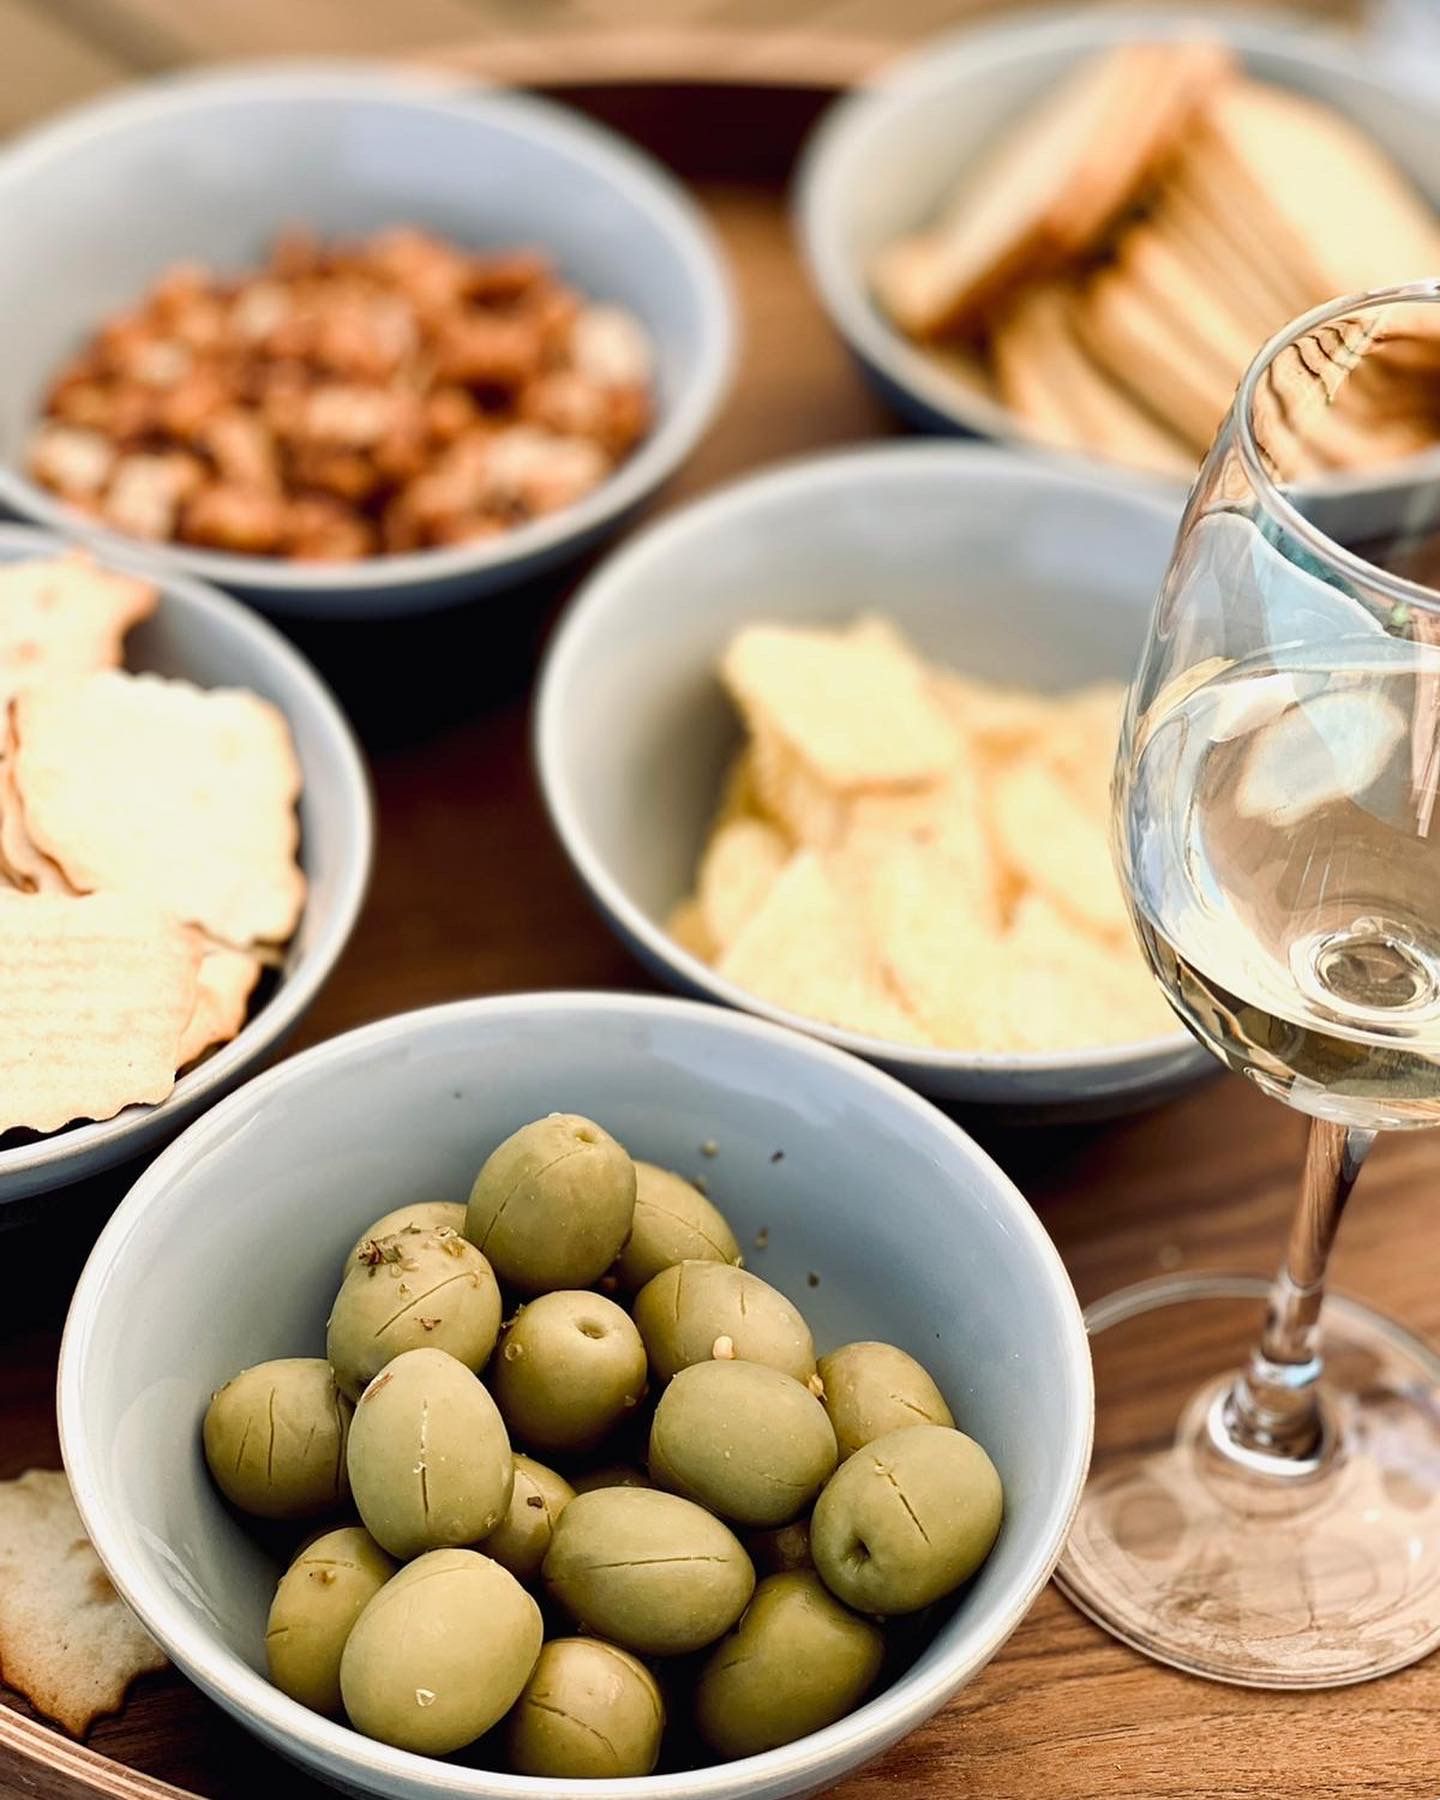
column 472, row 895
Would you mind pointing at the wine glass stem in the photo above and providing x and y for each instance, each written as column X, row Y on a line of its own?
column 1273, row 1410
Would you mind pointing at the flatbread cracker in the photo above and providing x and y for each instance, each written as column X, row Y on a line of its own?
column 64, row 615
column 68, row 1642
column 225, row 981
column 95, row 993
column 742, row 862
column 1051, row 844
column 142, row 785
column 855, row 711
column 804, row 950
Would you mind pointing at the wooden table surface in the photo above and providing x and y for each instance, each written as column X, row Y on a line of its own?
column 471, row 895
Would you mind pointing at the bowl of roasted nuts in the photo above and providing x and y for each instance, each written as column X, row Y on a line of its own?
column 347, row 341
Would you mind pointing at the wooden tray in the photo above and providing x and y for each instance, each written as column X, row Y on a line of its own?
column 472, row 895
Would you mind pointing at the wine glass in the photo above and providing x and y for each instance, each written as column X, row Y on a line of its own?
column 1277, row 834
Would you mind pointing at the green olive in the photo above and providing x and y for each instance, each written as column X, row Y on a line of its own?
column 590, row 1710
column 429, row 1460
column 319, row 1598
column 649, row 1571
column 778, row 1551
column 906, row 1519
column 751, row 1444
column 674, row 1222
column 696, row 1310
column 440, row 1654
column 570, row 1368
column 874, row 1388
column 519, row 1542
column 420, row 1215
column 275, row 1439
column 797, row 1661
column 413, row 1290
column 609, row 1475
column 552, row 1206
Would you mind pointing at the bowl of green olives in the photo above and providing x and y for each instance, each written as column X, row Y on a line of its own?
column 576, row 1389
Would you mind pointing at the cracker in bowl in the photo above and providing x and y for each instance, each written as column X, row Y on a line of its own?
column 148, row 853
column 916, row 855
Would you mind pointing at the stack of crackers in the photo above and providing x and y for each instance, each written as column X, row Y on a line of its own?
column 918, row 856
column 1120, row 255
column 148, row 841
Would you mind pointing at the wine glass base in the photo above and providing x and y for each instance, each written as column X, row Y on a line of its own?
column 1272, row 1580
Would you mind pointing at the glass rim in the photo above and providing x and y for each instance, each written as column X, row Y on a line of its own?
column 1398, row 588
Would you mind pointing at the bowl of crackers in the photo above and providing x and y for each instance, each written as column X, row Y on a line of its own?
column 1075, row 233
column 834, row 745
column 367, row 341
column 185, row 842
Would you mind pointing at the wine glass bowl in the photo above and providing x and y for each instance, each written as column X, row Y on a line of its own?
column 1275, row 830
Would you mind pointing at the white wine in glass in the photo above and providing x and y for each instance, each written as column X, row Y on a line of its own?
column 1278, row 835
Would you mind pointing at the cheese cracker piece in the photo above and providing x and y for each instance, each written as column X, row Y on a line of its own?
column 740, row 865
column 738, row 796
column 156, row 787
column 1052, row 844
column 1331, row 201
column 810, row 813
column 225, row 982
column 945, row 825
column 686, row 925
column 1111, row 995
column 805, row 950
column 856, row 712
column 68, row 1642
column 999, row 720
column 95, row 992
column 930, row 936
column 64, row 615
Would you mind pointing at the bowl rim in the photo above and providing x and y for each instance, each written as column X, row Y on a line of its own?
column 892, row 1713
column 48, row 1155
column 704, row 380
column 963, row 57
column 864, row 464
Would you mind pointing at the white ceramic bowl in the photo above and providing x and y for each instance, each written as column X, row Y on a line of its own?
column 216, row 642
column 209, row 167
column 224, row 1253
column 882, row 161
column 1000, row 565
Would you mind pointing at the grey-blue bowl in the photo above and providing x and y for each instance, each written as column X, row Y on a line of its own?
column 225, row 1253
column 1000, row 565
column 209, row 167
column 217, row 642
column 882, row 161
